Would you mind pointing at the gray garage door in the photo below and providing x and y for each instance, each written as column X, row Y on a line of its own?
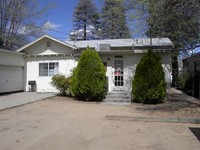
column 11, row 79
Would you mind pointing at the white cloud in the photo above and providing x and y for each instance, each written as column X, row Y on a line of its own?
column 78, row 34
column 49, row 25
column 33, row 29
column 22, row 30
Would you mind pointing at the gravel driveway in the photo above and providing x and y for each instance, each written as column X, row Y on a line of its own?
column 64, row 124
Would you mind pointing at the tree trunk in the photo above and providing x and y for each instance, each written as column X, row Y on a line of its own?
column 1, row 39
column 174, row 58
column 84, row 30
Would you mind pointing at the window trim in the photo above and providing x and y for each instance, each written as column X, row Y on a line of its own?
column 48, row 69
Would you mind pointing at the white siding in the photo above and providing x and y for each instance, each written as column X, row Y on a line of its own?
column 108, row 70
column 134, row 59
column 40, row 48
column 39, row 52
column 130, row 63
column 66, row 65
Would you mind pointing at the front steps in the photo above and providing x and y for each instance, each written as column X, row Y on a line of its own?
column 121, row 98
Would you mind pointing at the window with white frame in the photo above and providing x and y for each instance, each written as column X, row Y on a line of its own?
column 48, row 69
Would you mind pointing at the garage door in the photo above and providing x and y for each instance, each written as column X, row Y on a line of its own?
column 11, row 79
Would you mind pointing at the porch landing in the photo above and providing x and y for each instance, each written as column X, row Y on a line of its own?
column 119, row 98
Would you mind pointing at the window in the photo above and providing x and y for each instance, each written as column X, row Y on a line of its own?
column 118, row 56
column 48, row 44
column 48, row 69
column 43, row 69
column 119, row 74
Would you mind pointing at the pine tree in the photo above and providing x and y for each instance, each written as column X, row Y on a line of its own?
column 179, row 21
column 114, row 25
column 86, row 19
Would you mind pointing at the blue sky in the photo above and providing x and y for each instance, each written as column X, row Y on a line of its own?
column 60, row 16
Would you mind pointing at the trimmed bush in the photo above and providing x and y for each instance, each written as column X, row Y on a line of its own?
column 72, row 79
column 149, row 85
column 89, row 78
column 61, row 83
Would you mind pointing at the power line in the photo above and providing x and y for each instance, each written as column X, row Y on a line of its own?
column 35, row 26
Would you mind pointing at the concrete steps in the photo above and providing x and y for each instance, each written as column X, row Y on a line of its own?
column 120, row 98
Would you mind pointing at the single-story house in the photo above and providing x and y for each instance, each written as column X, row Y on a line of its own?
column 47, row 56
column 192, row 65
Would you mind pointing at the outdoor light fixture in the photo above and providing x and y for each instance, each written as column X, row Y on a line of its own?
column 108, row 60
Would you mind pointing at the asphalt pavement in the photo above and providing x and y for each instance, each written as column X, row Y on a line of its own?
column 11, row 100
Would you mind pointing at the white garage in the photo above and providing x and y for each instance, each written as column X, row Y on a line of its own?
column 11, row 78
column 11, row 71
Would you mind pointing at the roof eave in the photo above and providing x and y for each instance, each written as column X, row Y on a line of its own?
column 13, row 52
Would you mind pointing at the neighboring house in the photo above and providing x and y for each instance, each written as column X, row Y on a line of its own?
column 11, row 71
column 192, row 65
column 48, row 56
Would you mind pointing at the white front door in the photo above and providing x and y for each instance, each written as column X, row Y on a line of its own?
column 118, row 75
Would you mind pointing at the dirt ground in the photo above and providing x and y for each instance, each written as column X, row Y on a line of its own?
column 65, row 124
column 177, row 104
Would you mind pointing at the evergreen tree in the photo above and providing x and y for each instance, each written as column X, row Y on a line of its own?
column 113, row 20
column 86, row 20
column 176, row 19
column 149, row 80
column 89, row 78
column 179, row 21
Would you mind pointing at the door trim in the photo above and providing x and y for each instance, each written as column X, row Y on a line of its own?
column 118, row 74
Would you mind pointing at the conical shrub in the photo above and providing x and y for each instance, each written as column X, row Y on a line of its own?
column 149, row 85
column 89, row 79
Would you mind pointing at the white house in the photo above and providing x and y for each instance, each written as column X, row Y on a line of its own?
column 48, row 56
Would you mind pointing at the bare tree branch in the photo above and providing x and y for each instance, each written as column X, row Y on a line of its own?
column 13, row 13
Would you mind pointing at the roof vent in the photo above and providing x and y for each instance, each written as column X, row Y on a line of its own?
column 103, row 47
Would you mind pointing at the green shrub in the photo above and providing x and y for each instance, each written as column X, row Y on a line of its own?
column 184, row 81
column 149, row 85
column 68, row 91
column 89, row 78
column 71, row 80
column 61, row 83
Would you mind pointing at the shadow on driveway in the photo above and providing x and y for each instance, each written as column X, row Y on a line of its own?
column 196, row 132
